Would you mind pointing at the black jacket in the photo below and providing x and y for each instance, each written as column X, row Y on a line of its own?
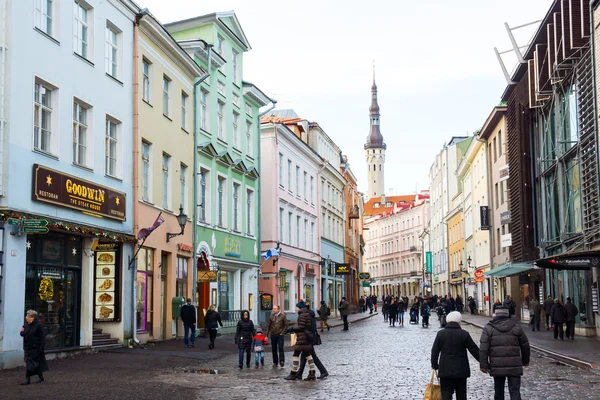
column 453, row 342
column 244, row 332
column 548, row 303
column 393, row 309
column 558, row 314
column 212, row 320
column 571, row 311
column 34, row 344
column 188, row 314
column 504, row 347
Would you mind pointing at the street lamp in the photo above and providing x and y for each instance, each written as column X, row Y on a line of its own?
column 181, row 220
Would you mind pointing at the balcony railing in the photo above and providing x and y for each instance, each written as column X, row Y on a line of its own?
column 415, row 249
column 230, row 318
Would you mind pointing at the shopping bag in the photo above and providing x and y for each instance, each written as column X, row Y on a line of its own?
column 432, row 390
column 293, row 339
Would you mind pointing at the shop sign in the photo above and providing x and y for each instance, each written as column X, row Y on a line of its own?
column 34, row 226
column 366, row 284
column 574, row 261
column 479, row 275
column 484, row 218
column 364, row 275
column 207, row 276
column 14, row 221
column 185, row 247
column 310, row 270
column 55, row 187
column 503, row 174
column 455, row 274
column 342, row 269
column 436, row 278
column 506, row 240
column 106, row 291
column 232, row 248
column 505, row 217
column 428, row 262
column 283, row 279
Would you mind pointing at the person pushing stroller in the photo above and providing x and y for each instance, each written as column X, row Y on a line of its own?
column 414, row 313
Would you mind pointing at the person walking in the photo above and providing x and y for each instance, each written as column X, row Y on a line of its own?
column 392, row 312
column 384, row 310
column 511, row 305
column 243, row 338
column 34, row 346
column 504, row 351
column 401, row 311
column 303, row 343
column 559, row 317
column 259, row 341
column 535, row 311
column 548, row 303
column 277, row 326
column 449, row 357
column 425, row 313
column 188, row 317
column 370, row 304
column 472, row 305
column 344, row 308
column 571, row 313
column 361, row 304
column 459, row 303
column 324, row 313
column 212, row 320
column 315, row 341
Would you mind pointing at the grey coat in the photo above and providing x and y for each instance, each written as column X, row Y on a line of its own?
column 503, row 348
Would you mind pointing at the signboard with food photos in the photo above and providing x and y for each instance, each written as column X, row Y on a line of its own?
column 106, row 268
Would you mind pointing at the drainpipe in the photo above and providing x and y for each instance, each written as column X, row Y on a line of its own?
column 2, row 89
column 195, row 174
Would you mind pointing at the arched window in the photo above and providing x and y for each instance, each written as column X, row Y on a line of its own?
column 374, row 168
column 380, row 167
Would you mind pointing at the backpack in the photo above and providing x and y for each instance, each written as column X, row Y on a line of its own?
column 328, row 313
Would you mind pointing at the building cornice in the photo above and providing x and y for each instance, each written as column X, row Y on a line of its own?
column 199, row 48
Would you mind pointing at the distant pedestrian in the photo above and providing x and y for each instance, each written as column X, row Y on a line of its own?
column 34, row 346
column 212, row 320
column 344, row 309
column 472, row 304
column 277, row 326
column 425, row 313
column 459, row 304
column 384, row 310
column 392, row 313
column 401, row 311
column 535, row 312
column 504, row 351
column 243, row 338
column 450, row 347
column 188, row 317
column 259, row 341
column 571, row 313
column 548, row 303
column 324, row 313
column 496, row 305
column 559, row 317
column 511, row 305
column 303, row 342
column 361, row 304
column 370, row 304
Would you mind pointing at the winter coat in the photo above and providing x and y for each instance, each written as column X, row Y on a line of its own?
column 535, row 308
column 212, row 320
column 453, row 342
column 302, row 331
column 504, row 347
column 244, row 332
column 511, row 305
column 558, row 314
column 344, row 306
column 548, row 303
column 425, row 310
column 323, row 312
column 188, row 314
column 34, row 344
column 401, row 307
column 259, row 341
column 571, row 311
column 393, row 309
column 277, row 324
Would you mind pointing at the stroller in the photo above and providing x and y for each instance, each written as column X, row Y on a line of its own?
column 414, row 315
column 441, row 313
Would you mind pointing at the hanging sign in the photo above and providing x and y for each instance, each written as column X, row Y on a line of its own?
column 484, row 218
column 479, row 275
column 364, row 275
column 342, row 269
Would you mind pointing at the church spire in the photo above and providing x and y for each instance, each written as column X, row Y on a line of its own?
column 374, row 140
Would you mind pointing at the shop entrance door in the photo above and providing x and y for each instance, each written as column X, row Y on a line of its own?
column 164, row 273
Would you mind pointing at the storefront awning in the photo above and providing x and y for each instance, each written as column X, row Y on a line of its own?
column 579, row 260
column 510, row 269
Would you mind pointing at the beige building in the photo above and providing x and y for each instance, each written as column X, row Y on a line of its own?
column 163, row 130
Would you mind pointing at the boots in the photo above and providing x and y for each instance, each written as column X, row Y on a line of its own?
column 40, row 378
column 27, row 381
column 291, row 377
column 311, row 376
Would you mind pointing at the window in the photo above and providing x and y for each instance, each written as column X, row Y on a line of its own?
column 312, row 236
column 221, row 88
column 220, row 110
column 236, row 132
column 146, row 80
column 297, row 180
column 281, row 169
column 306, row 246
column 42, row 118
column 166, row 181
column 290, row 222
column 499, row 143
column 44, row 15
column 496, row 188
column 290, row 175
column 235, row 99
column 111, row 147
column 112, row 51
column 182, row 186
column 166, row 94
column 495, row 150
column 220, row 42
column 312, row 190
column 202, row 195
column 249, row 147
column 281, row 224
column 305, row 185
column 80, row 40
column 249, row 109
column 221, row 198
column 298, row 224
column 234, row 62
column 80, row 128
column 249, row 205
column 181, row 275
column 184, row 100
column 204, row 109
column 236, row 207
column 146, row 171
column 502, row 192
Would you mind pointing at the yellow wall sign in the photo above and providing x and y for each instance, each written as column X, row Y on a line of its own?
column 232, row 248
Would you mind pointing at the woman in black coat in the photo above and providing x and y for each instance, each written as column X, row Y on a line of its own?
column 34, row 344
column 453, row 366
column 304, row 342
column 243, row 338
column 212, row 320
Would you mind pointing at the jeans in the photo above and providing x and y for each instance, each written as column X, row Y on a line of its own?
column 450, row 385
column 318, row 363
column 212, row 335
column 401, row 318
column 187, row 339
column 261, row 355
column 514, row 387
column 277, row 344
column 345, row 319
column 247, row 351
column 558, row 330
column 570, row 329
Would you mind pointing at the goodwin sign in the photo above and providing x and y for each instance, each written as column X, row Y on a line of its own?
column 55, row 187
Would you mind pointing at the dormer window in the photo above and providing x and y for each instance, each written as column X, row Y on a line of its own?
column 376, row 205
column 388, row 204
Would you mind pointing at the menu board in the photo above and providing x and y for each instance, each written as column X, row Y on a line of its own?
column 105, row 283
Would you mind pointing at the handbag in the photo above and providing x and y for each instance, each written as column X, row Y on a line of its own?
column 293, row 338
column 318, row 339
column 432, row 390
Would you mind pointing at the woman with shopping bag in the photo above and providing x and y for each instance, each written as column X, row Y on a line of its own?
column 449, row 357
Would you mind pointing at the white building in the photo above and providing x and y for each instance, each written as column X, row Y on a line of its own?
column 66, row 111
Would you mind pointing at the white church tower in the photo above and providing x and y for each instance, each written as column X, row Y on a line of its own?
column 375, row 149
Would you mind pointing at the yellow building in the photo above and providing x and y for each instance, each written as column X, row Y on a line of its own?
column 456, row 246
column 164, row 147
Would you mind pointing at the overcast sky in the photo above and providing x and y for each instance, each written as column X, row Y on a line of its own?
column 436, row 70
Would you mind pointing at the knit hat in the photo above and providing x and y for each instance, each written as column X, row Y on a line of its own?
column 301, row 304
column 259, row 330
column 454, row 316
column 501, row 312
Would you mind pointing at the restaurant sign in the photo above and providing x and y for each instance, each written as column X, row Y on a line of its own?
column 58, row 188
column 342, row 269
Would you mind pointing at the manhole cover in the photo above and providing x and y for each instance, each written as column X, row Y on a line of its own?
column 205, row 371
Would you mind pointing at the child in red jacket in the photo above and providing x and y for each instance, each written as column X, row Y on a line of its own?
column 259, row 341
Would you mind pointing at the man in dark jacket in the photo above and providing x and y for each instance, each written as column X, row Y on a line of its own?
column 504, row 351
column 188, row 317
column 559, row 317
column 571, row 313
column 344, row 309
column 324, row 313
column 315, row 336
column 548, row 303
column 453, row 367
column 277, row 326
column 510, row 304
column 535, row 311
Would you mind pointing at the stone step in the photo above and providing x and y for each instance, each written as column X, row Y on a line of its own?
column 96, row 331
column 103, row 342
column 100, row 336
column 105, row 347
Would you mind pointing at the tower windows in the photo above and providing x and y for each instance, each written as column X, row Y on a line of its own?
column 379, row 167
column 374, row 167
